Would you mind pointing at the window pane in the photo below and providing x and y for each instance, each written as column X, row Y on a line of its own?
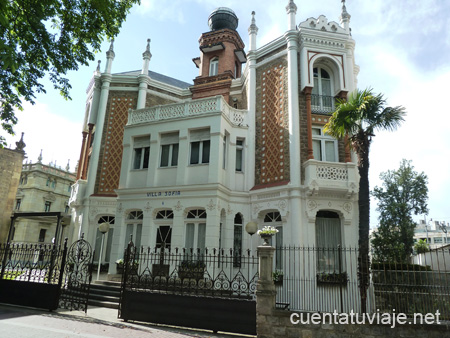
column 175, row 154
column 128, row 234
column 137, row 241
column 201, row 236
column 278, row 248
column 190, row 235
column 109, row 244
column 195, row 151
column 146, row 157
column 317, row 151
column 330, row 151
column 137, row 158
column 328, row 237
column 326, row 87
column 238, row 159
column 205, row 152
column 165, row 155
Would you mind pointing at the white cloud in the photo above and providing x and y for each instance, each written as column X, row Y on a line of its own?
column 59, row 139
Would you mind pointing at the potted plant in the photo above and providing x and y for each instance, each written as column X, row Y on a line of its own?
column 266, row 233
column 277, row 277
column 119, row 266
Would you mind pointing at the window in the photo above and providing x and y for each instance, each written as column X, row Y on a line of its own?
column 169, row 150
column 325, row 147
column 163, row 237
column 224, row 151
column 274, row 219
column 107, row 242
column 66, row 209
column 438, row 240
column 141, row 152
column 134, row 228
column 328, row 238
column 200, row 146
column 214, row 66
column 18, row 203
column 23, row 179
column 47, row 206
column 42, row 233
column 239, row 154
column 322, row 100
column 237, row 241
column 54, row 184
column 196, row 230
column 48, row 182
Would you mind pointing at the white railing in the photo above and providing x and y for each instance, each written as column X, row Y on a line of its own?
column 210, row 105
column 331, row 176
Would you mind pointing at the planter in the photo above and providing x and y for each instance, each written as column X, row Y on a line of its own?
column 266, row 238
column 119, row 268
column 278, row 280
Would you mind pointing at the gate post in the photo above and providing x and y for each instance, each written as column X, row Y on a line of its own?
column 265, row 292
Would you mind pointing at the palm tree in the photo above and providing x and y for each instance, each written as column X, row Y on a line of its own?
column 357, row 118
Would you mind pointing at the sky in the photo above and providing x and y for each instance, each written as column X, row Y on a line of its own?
column 402, row 48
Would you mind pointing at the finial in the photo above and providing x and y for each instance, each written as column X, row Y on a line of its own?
column 68, row 165
column 55, row 164
column 98, row 65
column 344, row 14
column 147, row 54
column 40, row 157
column 110, row 53
column 20, row 145
column 253, row 28
column 291, row 7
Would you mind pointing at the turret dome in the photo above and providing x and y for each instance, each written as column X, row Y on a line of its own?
column 221, row 18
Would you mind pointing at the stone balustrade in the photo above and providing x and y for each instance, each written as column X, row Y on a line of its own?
column 207, row 106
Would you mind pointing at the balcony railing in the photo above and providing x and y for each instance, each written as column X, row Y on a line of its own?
column 208, row 106
column 322, row 104
column 331, row 176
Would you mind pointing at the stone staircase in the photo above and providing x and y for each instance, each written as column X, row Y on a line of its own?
column 104, row 294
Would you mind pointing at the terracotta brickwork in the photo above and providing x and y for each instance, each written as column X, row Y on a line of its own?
column 303, row 134
column 110, row 161
column 272, row 125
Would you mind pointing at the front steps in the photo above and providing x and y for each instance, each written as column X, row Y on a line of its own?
column 104, row 294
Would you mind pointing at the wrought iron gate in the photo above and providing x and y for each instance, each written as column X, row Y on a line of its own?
column 77, row 276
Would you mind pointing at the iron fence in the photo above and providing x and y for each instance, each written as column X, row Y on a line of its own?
column 203, row 272
column 38, row 263
column 326, row 280
column 322, row 104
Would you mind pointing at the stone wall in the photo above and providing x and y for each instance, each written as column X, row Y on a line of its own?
column 10, row 171
column 278, row 325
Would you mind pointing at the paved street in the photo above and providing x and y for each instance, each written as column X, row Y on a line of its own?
column 17, row 322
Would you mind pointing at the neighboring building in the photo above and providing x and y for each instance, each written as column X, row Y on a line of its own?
column 42, row 188
column 434, row 233
column 10, row 170
column 190, row 165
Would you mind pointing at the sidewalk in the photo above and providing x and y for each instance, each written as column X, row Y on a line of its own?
column 107, row 316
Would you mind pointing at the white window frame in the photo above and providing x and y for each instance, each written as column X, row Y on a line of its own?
column 196, row 218
column 134, row 221
column 240, row 142
column 322, row 139
column 319, row 90
column 141, row 148
column 327, row 247
column 214, row 66
column 172, row 160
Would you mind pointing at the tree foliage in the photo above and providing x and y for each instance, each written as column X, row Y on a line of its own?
column 404, row 193
column 421, row 246
column 358, row 118
column 49, row 37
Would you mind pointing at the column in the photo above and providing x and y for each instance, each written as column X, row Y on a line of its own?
column 265, row 291
column 143, row 77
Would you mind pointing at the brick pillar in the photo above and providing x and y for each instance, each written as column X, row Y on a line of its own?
column 86, row 152
column 308, row 91
column 343, row 96
column 80, row 162
column 265, row 292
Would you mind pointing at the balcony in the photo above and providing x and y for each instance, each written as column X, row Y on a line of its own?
column 334, row 177
column 201, row 107
column 322, row 104
column 77, row 193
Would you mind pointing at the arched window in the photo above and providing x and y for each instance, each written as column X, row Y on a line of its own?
column 164, row 229
column 134, row 227
column 195, row 229
column 237, row 240
column 322, row 99
column 214, row 66
column 274, row 219
column 328, row 238
column 107, row 242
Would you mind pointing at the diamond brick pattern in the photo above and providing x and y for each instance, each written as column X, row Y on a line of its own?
column 273, row 125
column 112, row 142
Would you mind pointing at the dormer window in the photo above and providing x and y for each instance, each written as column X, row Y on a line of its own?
column 322, row 100
column 214, row 66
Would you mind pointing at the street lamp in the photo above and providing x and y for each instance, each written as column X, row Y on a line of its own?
column 103, row 228
column 251, row 228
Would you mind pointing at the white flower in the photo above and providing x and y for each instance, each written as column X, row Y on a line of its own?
column 267, row 230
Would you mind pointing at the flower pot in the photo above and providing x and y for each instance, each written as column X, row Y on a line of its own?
column 266, row 238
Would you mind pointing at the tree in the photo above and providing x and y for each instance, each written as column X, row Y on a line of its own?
column 357, row 119
column 404, row 193
column 421, row 246
column 49, row 37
